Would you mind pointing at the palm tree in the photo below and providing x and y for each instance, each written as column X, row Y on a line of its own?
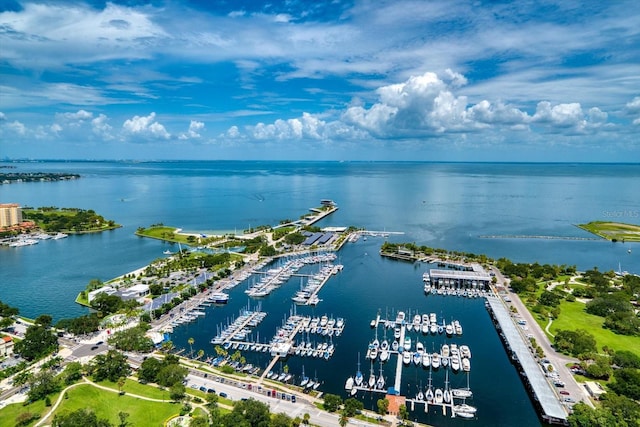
column 121, row 382
column 200, row 353
column 344, row 420
column 191, row 341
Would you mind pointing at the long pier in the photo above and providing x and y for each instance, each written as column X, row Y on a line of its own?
column 552, row 410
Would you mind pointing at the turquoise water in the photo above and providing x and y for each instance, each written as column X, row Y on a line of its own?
column 447, row 205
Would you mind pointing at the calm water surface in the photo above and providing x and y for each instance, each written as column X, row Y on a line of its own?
column 454, row 206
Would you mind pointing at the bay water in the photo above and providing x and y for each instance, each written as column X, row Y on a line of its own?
column 475, row 208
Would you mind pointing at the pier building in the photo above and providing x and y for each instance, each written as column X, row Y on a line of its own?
column 474, row 277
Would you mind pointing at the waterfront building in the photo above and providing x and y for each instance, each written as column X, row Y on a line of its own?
column 105, row 289
column 10, row 214
column 6, row 346
column 594, row 389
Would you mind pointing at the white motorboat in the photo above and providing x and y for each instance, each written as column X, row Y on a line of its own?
column 406, row 357
column 347, row 386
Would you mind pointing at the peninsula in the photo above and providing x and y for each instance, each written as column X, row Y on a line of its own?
column 613, row 231
column 68, row 220
column 14, row 177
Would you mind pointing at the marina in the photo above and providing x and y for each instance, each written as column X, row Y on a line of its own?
column 451, row 357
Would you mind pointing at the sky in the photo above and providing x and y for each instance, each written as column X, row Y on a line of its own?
column 415, row 80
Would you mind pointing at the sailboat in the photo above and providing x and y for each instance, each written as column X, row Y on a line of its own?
column 372, row 377
column 358, row 378
column 305, row 379
column 380, row 382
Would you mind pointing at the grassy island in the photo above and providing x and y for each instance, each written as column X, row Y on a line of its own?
column 68, row 220
column 613, row 231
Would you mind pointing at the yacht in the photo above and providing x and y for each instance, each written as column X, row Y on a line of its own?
column 395, row 345
column 407, row 343
column 425, row 323
column 425, row 360
column 435, row 360
column 438, row 396
column 455, row 363
column 400, row 318
column 417, row 322
column 372, row 378
column 406, row 357
column 219, row 298
column 466, row 365
column 417, row 358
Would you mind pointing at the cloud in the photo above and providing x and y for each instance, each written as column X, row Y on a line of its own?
column 195, row 128
column 145, row 127
column 633, row 108
column 80, row 115
column 429, row 106
column 101, row 128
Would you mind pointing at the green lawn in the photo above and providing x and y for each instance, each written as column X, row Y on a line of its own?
column 9, row 413
column 107, row 405
column 132, row 386
column 574, row 317
column 163, row 233
column 613, row 230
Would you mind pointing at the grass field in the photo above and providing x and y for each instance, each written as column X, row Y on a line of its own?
column 164, row 233
column 574, row 317
column 107, row 405
column 9, row 413
column 613, row 230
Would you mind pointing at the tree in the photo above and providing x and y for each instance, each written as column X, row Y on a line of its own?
column 403, row 413
column 191, row 341
column 332, row 402
column 149, row 369
column 254, row 412
column 109, row 366
column 106, row 304
column 280, row 420
column 121, row 383
column 123, row 416
column 177, row 392
column 42, row 384
column 306, row 418
column 44, row 320
column 199, row 421
column 73, row 372
column 352, row 406
column 575, row 342
column 344, row 419
column 38, row 341
column 627, row 383
column 626, row 359
column 171, row 374
column 80, row 418
column 383, row 406
column 132, row 339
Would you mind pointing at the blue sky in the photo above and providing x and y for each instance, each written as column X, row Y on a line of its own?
column 345, row 80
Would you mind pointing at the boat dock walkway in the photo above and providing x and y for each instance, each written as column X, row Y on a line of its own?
column 552, row 409
column 397, row 383
column 235, row 333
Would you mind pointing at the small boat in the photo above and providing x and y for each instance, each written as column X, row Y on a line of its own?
column 429, row 395
column 425, row 360
column 394, row 345
column 417, row 358
column 461, row 392
column 406, row 357
column 407, row 343
column 359, row 377
column 438, row 396
column 464, row 408
column 435, row 360
column 347, row 386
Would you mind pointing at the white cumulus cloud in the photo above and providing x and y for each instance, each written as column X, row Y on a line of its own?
column 146, row 127
column 195, row 127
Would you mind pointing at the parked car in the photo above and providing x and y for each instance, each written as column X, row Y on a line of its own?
column 565, row 392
